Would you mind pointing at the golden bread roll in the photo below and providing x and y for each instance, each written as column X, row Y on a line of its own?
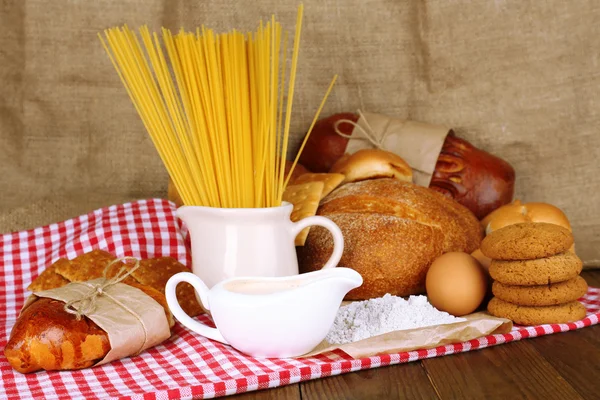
column 47, row 337
column 517, row 212
column 371, row 164
column 393, row 231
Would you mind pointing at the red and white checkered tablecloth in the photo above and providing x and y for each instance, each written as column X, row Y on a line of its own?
column 186, row 365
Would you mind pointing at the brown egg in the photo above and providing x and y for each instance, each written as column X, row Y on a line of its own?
column 456, row 283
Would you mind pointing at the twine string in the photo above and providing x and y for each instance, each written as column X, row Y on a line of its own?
column 87, row 304
column 367, row 131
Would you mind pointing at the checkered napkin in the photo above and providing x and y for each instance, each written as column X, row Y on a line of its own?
column 186, row 365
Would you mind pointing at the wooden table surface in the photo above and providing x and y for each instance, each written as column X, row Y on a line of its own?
column 560, row 366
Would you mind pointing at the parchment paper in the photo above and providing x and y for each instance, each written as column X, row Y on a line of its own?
column 418, row 143
column 476, row 325
column 125, row 332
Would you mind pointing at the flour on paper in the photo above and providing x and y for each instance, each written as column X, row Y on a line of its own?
column 364, row 319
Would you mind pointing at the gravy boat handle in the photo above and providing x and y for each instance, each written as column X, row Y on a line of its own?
column 177, row 311
column 336, row 232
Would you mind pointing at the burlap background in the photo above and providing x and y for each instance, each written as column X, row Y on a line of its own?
column 518, row 78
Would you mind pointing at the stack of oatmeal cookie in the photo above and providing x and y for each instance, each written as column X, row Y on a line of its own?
column 536, row 275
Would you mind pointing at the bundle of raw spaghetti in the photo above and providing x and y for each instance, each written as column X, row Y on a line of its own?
column 213, row 105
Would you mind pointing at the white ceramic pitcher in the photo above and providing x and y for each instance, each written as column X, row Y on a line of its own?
column 268, row 317
column 233, row 242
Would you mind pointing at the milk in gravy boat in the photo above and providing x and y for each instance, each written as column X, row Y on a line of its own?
column 268, row 317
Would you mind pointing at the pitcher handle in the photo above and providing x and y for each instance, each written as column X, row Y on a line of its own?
column 186, row 320
column 338, row 238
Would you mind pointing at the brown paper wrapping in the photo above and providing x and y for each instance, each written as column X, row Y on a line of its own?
column 125, row 331
column 418, row 143
column 476, row 325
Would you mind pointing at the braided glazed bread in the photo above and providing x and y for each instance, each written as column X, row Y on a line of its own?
column 47, row 337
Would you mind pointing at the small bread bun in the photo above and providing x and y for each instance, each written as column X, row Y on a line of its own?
column 370, row 164
column 516, row 212
column 544, row 212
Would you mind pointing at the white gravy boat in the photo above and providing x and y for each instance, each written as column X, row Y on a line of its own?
column 268, row 317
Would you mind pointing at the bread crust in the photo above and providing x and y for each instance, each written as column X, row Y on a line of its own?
column 154, row 272
column 393, row 231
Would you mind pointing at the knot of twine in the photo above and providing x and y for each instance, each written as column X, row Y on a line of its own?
column 367, row 131
column 87, row 304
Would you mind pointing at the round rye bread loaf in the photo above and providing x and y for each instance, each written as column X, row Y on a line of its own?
column 393, row 231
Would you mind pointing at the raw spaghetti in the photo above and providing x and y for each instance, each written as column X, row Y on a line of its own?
column 215, row 107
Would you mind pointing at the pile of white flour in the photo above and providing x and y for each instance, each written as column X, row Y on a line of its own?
column 363, row 319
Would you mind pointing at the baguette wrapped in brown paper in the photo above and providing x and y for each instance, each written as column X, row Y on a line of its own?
column 476, row 325
column 439, row 159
